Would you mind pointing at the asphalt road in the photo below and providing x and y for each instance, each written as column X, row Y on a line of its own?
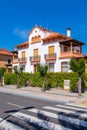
column 10, row 102
column 29, row 113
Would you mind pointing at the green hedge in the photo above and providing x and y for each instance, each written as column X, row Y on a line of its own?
column 10, row 78
column 55, row 79
column 23, row 78
column 36, row 80
column 84, row 80
column 52, row 79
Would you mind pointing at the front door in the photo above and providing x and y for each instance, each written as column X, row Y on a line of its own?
column 35, row 68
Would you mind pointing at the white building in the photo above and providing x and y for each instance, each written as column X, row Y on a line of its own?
column 47, row 47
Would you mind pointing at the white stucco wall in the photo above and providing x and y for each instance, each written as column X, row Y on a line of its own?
column 42, row 50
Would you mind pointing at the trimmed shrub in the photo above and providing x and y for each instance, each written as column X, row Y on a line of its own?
column 10, row 78
column 52, row 79
column 24, row 78
column 84, row 80
column 36, row 80
column 2, row 71
column 57, row 79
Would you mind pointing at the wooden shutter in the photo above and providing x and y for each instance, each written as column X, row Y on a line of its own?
column 23, row 54
column 35, row 52
column 51, row 50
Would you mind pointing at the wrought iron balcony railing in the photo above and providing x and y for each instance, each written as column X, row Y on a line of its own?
column 50, row 56
column 22, row 59
column 35, row 58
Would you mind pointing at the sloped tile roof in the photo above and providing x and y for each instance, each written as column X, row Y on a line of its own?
column 5, row 52
column 56, row 36
column 24, row 44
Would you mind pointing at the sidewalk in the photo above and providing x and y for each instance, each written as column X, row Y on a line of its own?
column 52, row 94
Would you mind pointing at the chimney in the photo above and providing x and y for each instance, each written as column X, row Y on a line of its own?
column 68, row 32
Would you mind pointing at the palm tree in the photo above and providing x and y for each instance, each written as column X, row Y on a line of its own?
column 42, row 69
column 78, row 65
column 18, row 72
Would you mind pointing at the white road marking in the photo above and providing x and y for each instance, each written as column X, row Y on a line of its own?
column 66, row 111
column 61, row 117
column 45, row 124
column 75, row 105
column 1, row 119
column 70, row 107
column 5, row 125
column 9, row 103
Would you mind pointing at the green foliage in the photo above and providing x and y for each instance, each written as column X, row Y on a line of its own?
column 36, row 80
column 10, row 78
column 52, row 79
column 18, row 72
column 2, row 71
column 84, row 79
column 23, row 78
column 78, row 65
column 55, row 79
column 42, row 69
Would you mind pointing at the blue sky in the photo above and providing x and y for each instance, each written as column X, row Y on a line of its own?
column 18, row 17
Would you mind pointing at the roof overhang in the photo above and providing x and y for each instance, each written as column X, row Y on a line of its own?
column 74, row 41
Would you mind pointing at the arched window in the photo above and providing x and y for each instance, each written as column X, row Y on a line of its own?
column 64, row 66
column 36, row 39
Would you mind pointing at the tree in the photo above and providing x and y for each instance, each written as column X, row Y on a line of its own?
column 18, row 72
column 42, row 69
column 2, row 71
column 78, row 65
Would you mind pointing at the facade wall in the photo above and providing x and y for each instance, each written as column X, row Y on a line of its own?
column 2, row 63
column 4, row 60
column 43, row 48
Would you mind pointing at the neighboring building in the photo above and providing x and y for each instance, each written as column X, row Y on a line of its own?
column 47, row 47
column 6, row 59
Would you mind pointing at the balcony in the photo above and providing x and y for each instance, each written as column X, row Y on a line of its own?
column 35, row 59
column 50, row 57
column 22, row 60
column 70, row 54
column 15, row 60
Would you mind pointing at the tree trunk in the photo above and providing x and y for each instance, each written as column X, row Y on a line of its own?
column 79, row 86
column 43, row 87
column 18, row 79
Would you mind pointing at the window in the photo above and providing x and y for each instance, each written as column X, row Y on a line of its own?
column 64, row 66
column 51, row 49
column 36, row 39
column 23, row 54
column 51, row 67
column 9, row 61
column 35, row 52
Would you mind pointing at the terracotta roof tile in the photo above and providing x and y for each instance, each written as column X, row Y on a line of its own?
column 5, row 52
column 24, row 44
column 56, row 36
